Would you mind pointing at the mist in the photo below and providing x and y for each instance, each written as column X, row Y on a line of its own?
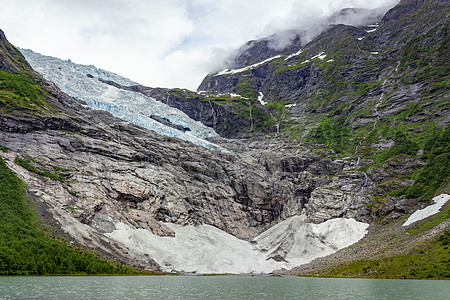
column 172, row 43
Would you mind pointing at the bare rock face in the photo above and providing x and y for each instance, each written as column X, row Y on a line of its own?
column 342, row 196
column 198, row 108
column 126, row 174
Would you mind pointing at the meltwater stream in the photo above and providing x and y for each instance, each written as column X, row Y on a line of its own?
column 218, row 287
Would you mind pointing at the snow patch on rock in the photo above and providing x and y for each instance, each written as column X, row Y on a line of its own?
column 294, row 54
column 430, row 210
column 260, row 99
column 321, row 55
column 207, row 249
column 235, row 71
column 234, row 95
column 299, row 242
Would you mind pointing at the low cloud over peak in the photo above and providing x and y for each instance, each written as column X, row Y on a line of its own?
column 172, row 43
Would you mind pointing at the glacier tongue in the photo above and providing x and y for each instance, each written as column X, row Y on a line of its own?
column 82, row 82
column 208, row 250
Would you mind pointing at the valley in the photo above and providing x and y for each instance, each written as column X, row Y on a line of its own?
column 305, row 160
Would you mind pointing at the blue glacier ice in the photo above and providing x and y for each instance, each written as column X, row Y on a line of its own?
column 82, row 82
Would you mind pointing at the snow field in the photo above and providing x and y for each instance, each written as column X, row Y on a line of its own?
column 206, row 249
column 321, row 56
column 260, row 99
column 430, row 210
column 294, row 54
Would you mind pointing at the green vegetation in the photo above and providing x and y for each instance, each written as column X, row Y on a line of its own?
column 245, row 106
column 3, row 148
column 418, row 259
column 12, row 56
column 25, row 247
column 445, row 238
column 262, row 120
column 430, row 179
column 435, row 175
column 245, row 87
column 27, row 165
column 20, row 92
column 364, row 88
column 427, row 261
column 59, row 169
column 428, row 55
column 334, row 134
column 402, row 145
column 277, row 111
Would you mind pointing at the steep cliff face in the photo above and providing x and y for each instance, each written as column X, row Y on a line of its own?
column 208, row 111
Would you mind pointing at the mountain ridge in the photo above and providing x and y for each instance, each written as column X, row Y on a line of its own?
column 353, row 126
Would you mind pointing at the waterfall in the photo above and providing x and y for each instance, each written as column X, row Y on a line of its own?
column 398, row 65
column 214, row 116
column 377, row 114
column 251, row 118
column 276, row 121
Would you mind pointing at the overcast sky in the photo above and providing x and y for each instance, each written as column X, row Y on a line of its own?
column 158, row 43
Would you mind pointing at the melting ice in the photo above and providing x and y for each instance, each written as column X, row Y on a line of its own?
column 82, row 82
column 430, row 210
column 207, row 249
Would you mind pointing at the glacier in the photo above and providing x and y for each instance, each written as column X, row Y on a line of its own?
column 85, row 82
column 205, row 249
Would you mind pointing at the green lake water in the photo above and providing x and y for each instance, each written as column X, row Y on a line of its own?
column 217, row 287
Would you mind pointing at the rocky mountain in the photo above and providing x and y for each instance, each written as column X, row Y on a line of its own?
column 360, row 92
column 347, row 69
column 91, row 174
column 348, row 129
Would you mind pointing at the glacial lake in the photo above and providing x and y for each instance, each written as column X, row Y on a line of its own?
column 217, row 287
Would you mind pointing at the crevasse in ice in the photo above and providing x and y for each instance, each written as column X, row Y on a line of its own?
column 82, row 82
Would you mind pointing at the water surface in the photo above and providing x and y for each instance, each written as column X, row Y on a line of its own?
column 217, row 287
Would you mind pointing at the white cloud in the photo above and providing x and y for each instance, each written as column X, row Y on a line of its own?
column 170, row 43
